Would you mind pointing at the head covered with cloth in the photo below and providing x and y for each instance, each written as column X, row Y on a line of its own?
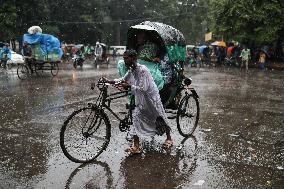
column 149, row 117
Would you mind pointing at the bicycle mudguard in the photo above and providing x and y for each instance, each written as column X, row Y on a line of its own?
column 194, row 92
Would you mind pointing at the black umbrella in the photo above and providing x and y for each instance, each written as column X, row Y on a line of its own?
column 265, row 51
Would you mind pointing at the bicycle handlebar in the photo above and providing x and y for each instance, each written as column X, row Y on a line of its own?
column 102, row 84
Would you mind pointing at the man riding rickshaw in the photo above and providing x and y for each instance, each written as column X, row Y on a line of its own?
column 44, row 53
column 5, row 55
column 161, row 48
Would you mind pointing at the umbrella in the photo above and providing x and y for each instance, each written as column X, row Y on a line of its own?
column 201, row 48
column 264, row 50
column 219, row 43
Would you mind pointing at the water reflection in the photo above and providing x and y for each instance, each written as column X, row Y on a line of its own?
column 26, row 124
column 95, row 175
column 157, row 169
column 74, row 75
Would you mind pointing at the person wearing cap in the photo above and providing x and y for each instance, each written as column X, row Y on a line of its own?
column 148, row 106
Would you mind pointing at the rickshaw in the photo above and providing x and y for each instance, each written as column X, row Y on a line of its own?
column 68, row 50
column 46, row 54
column 86, row 133
column 170, row 42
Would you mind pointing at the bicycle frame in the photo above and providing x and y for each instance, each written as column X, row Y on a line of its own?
column 104, row 99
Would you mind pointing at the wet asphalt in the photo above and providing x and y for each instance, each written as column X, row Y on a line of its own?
column 239, row 141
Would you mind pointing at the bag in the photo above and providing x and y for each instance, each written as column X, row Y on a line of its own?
column 161, row 126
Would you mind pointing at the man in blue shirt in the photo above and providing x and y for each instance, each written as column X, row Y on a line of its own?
column 5, row 55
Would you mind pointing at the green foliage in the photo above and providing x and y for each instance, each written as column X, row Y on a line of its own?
column 87, row 21
column 53, row 30
column 7, row 19
column 247, row 21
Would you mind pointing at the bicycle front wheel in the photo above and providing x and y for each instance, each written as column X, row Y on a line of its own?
column 85, row 134
column 22, row 71
column 188, row 115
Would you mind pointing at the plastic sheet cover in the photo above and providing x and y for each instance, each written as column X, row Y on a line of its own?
column 44, row 46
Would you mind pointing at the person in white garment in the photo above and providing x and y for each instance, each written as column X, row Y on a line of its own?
column 148, row 105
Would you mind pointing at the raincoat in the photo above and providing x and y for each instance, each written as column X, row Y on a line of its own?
column 5, row 53
column 153, row 67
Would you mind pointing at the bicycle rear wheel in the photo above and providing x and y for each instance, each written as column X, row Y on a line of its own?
column 54, row 68
column 85, row 134
column 188, row 115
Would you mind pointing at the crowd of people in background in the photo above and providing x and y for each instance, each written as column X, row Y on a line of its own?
column 83, row 51
column 213, row 55
column 234, row 54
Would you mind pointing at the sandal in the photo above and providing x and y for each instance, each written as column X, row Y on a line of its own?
column 134, row 150
column 167, row 144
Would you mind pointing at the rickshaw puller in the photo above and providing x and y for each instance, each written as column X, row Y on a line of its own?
column 147, row 100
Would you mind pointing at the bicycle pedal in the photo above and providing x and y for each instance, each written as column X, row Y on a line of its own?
column 90, row 104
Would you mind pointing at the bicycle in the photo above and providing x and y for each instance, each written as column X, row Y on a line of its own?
column 5, row 62
column 89, row 129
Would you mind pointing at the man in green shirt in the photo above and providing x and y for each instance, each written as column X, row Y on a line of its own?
column 245, row 54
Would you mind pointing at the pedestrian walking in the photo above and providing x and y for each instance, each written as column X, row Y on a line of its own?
column 219, row 55
column 87, row 52
column 261, row 61
column 149, row 113
column 114, row 52
column 245, row 55
column 98, row 50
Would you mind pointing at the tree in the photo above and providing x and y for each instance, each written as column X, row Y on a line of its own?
column 7, row 19
column 248, row 21
column 87, row 21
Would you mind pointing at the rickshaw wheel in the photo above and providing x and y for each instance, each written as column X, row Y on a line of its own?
column 9, row 66
column 54, row 68
column 38, row 69
column 188, row 115
column 22, row 71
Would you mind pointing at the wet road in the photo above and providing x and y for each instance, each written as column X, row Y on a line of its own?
column 239, row 142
